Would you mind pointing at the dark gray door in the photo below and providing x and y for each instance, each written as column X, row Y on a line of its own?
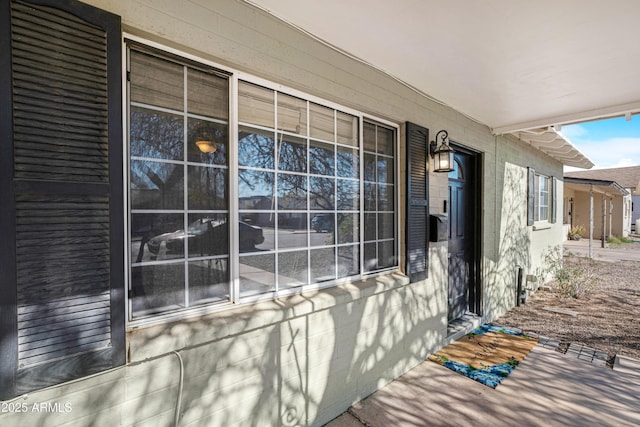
column 461, row 234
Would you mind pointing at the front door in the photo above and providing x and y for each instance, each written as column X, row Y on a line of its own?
column 462, row 295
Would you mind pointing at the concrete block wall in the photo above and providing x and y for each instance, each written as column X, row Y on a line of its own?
column 304, row 359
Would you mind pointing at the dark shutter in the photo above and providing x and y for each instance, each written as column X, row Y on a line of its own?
column 554, row 199
column 66, row 194
column 417, row 224
column 531, row 196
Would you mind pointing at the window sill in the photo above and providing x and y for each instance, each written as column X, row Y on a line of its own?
column 543, row 225
column 154, row 341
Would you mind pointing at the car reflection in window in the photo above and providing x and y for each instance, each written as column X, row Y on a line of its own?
column 206, row 236
column 322, row 223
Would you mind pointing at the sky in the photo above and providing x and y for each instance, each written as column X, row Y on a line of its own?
column 610, row 143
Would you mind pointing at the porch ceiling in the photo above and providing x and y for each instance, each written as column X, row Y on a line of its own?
column 511, row 65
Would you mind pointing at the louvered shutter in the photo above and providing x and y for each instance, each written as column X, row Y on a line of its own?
column 66, row 194
column 417, row 223
column 531, row 196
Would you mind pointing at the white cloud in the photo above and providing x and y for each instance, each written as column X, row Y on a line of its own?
column 611, row 153
column 573, row 131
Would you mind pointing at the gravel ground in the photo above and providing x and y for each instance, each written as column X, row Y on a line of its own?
column 608, row 310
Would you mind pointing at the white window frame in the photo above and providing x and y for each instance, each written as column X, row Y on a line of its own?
column 543, row 198
column 234, row 77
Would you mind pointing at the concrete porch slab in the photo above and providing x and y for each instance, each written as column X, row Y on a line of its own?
column 547, row 388
column 628, row 366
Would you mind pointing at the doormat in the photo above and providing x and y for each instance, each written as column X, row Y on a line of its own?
column 487, row 355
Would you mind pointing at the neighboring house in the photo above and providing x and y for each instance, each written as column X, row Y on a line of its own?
column 134, row 136
column 620, row 190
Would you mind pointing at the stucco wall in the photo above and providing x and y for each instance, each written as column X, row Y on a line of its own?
column 516, row 245
column 304, row 359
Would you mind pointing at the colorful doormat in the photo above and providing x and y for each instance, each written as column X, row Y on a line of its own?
column 488, row 354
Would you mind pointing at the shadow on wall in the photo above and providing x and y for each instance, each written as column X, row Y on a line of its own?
column 307, row 369
column 298, row 361
column 513, row 245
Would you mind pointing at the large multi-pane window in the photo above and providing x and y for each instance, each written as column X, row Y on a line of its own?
column 281, row 194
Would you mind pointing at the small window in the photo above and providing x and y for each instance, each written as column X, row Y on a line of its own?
column 543, row 197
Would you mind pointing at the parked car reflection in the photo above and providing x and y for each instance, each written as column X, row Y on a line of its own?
column 207, row 236
column 322, row 223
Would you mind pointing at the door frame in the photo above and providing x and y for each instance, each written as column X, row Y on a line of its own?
column 475, row 186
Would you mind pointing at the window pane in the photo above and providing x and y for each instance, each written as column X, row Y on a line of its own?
column 385, row 141
column 255, row 189
column 323, row 230
column 155, row 185
column 348, row 163
column 323, row 265
column 157, row 288
column 385, row 198
column 322, row 122
column 385, row 170
column 544, row 213
column 256, row 231
column 292, row 269
column 208, row 235
column 322, row 193
column 207, row 188
column 386, row 254
column 257, row 274
column 256, row 148
column 386, row 226
column 370, row 197
column 255, row 105
column 348, row 261
column 348, row 228
column 156, row 81
column 207, row 142
column 369, row 137
column 370, row 167
column 157, row 135
column 292, row 154
column 150, row 235
column 208, row 94
column 348, row 195
column 292, row 114
column 208, row 281
column 347, row 129
column 370, row 256
column 292, row 191
column 292, row 230
column 370, row 226
column 321, row 158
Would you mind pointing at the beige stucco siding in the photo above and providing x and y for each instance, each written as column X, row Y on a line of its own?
column 304, row 359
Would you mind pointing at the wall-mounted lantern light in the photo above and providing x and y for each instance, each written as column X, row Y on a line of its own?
column 443, row 154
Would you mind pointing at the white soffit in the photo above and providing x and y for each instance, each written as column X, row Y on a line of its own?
column 553, row 143
column 511, row 65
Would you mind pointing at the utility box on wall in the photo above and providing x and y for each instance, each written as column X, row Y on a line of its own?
column 438, row 228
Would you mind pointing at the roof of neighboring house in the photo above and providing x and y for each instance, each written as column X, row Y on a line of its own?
column 628, row 177
column 597, row 185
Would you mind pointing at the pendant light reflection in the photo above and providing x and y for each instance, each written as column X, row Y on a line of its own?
column 204, row 141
